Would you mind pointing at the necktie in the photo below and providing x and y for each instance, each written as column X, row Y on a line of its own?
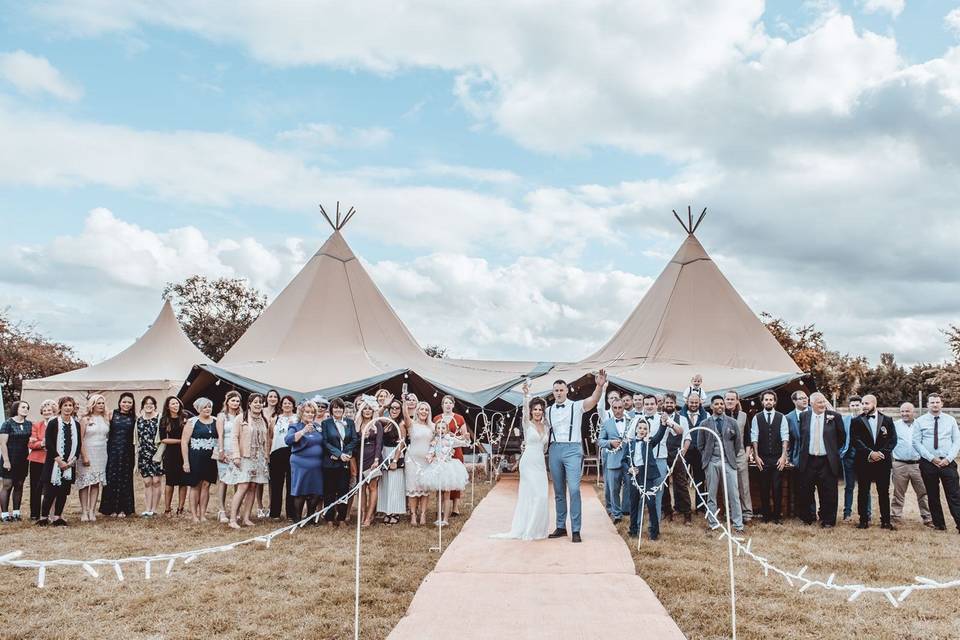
column 769, row 418
column 816, row 434
column 719, row 426
column 936, row 432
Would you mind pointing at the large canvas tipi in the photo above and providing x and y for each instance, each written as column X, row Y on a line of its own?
column 156, row 364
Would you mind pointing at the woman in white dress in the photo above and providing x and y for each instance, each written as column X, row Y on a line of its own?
column 227, row 473
column 444, row 473
column 420, row 434
column 531, row 517
column 92, row 469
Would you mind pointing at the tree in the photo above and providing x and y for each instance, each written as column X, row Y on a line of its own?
column 953, row 340
column 25, row 355
column 436, row 351
column 889, row 382
column 215, row 313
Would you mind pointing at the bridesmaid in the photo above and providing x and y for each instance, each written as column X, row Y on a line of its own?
column 417, row 415
column 250, row 459
column 148, row 427
column 171, row 432
column 198, row 446
column 391, row 497
column 458, row 427
column 280, row 459
column 63, row 442
column 14, row 436
column 270, row 411
column 38, row 455
column 92, row 468
column 306, row 460
column 228, row 420
column 371, row 448
column 118, row 493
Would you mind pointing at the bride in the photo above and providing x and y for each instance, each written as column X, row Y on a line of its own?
column 531, row 518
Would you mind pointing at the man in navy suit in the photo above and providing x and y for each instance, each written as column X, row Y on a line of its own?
column 801, row 405
column 340, row 439
column 822, row 438
column 874, row 436
column 611, row 443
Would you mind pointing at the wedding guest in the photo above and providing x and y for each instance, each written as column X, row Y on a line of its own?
column 847, row 456
column 349, row 410
column 679, row 479
column 383, row 399
column 820, row 441
column 651, row 411
column 444, row 472
column 38, row 455
column 249, row 458
column 370, row 449
column 62, row 442
column 616, row 484
column 906, row 468
column 270, row 411
column 118, row 489
column 92, row 467
column 769, row 441
column 171, row 432
column 306, row 460
column 339, row 441
column 696, row 386
column 198, row 448
column 420, row 434
column 672, row 442
column 391, row 496
column 801, row 406
column 937, row 439
column 874, row 437
column 280, row 459
column 731, row 401
column 151, row 469
column 645, row 474
column 731, row 441
column 14, row 436
column 457, row 425
column 227, row 474
column 691, row 416
column 628, row 409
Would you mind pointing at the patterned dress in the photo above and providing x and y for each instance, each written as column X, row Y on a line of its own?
column 147, row 447
column 95, row 443
column 18, row 434
column 203, row 441
column 118, row 492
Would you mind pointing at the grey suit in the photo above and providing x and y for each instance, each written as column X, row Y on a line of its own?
column 615, row 486
column 731, row 438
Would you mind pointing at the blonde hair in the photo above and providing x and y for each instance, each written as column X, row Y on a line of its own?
column 233, row 393
column 49, row 402
column 309, row 404
column 416, row 413
column 92, row 402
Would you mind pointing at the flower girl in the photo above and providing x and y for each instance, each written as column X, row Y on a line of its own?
column 444, row 472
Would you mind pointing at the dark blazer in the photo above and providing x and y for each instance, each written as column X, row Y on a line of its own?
column 793, row 427
column 701, row 416
column 834, row 438
column 731, row 436
column 50, row 442
column 653, row 471
column 864, row 444
column 335, row 447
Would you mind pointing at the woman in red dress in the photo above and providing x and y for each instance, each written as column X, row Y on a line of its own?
column 457, row 425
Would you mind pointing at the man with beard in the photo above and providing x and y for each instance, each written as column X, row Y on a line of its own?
column 691, row 416
column 769, row 439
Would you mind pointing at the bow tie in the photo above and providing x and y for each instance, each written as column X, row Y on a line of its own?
column 619, row 419
column 872, row 416
column 560, row 406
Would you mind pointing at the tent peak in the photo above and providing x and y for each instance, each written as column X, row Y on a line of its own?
column 690, row 226
column 340, row 222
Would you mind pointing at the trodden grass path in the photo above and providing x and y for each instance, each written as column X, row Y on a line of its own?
column 505, row 589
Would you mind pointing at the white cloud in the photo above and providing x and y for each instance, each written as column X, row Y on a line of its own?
column 327, row 135
column 893, row 7
column 952, row 21
column 35, row 75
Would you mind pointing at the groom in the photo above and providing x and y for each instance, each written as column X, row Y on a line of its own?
column 566, row 451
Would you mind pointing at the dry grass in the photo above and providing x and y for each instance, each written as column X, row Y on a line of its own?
column 302, row 587
column 687, row 569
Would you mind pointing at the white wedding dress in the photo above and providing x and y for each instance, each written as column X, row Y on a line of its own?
column 531, row 517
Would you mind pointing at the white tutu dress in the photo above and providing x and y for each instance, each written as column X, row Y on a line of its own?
column 443, row 472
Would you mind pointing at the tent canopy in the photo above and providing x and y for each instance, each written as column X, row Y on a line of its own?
column 156, row 364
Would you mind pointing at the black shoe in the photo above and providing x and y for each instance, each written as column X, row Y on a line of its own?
column 940, row 527
column 43, row 522
column 576, row 537
column 687, row 520
column 825, row 525
column 863, row 525
column 632, row 534
column 59, row 523
column 558, row 533
column 888, row 525
column 778, row 521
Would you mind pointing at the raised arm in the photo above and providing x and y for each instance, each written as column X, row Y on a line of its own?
column 601, row 381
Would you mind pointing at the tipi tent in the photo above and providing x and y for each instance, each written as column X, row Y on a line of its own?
column 155, row 365
column 332, row 332
column 691, row 320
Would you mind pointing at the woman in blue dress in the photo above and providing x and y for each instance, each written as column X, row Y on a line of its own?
column 305, row 439
column 117, row 498
column 197, row 447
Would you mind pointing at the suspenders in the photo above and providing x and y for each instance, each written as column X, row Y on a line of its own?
column 569, row 431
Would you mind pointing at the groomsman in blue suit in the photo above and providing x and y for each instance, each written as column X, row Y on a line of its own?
column 801, row 406
column 612, row 446
column 565, row 418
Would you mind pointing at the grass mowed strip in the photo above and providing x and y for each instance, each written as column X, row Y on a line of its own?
column 301, row 587
column 687, row 569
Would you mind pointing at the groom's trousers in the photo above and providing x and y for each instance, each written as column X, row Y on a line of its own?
column 566, row 460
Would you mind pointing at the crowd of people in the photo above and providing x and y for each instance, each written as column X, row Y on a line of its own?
column 308, row 456
column 641, row 435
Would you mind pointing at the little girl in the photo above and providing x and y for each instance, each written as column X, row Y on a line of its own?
column 443, row 471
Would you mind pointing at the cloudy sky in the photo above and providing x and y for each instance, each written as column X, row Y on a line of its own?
column 509, row 163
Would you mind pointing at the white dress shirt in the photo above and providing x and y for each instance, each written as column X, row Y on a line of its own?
column 559, row 418
column 769, row 415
